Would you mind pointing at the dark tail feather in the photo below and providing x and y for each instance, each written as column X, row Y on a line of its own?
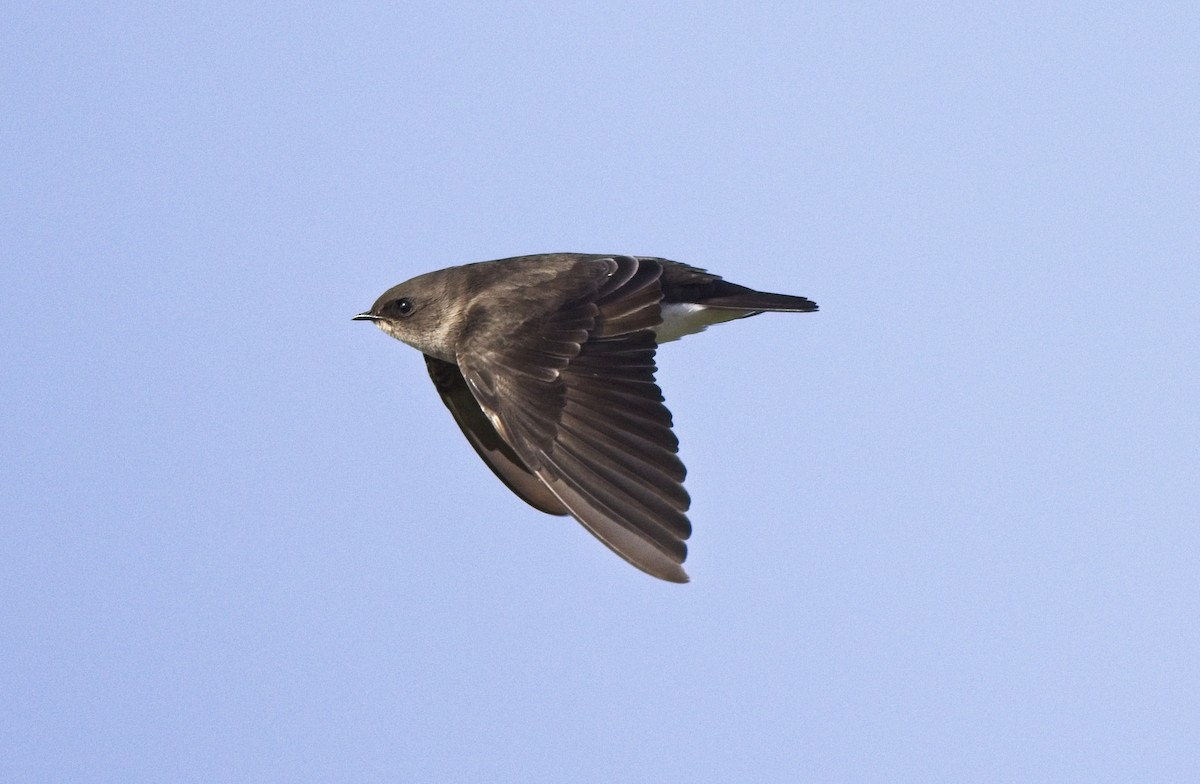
column 761, row 301
column 684, row 284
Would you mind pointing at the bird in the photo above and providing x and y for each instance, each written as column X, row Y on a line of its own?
column 547, row 364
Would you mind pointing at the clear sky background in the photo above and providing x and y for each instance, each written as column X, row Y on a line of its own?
column 945, row 530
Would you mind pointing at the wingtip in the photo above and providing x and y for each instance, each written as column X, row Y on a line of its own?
column 679, row 577
column 659, row 566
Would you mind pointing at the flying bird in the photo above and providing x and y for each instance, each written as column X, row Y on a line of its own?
column 546, row 363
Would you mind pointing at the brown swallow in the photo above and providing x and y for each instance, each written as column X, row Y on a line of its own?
column 547, row 364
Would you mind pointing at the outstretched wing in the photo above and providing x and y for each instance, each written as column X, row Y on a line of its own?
column 573, row 394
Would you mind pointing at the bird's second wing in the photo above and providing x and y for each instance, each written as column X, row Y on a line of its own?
column 573, row 393
column 494, row 450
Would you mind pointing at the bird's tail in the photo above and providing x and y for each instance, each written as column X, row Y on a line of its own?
column 761, row 301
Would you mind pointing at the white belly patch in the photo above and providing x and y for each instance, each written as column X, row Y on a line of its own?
column 679, row 319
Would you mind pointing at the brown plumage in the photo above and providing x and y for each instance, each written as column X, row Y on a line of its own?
column 547, row 364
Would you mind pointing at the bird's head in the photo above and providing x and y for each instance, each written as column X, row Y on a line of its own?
column 421, row 313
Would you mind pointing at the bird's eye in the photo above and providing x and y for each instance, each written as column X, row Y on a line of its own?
column 403, row 306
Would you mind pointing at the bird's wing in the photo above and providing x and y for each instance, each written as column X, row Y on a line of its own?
column 573, row 394
column 494, row 450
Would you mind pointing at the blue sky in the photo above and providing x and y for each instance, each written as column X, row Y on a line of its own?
column 945, row 529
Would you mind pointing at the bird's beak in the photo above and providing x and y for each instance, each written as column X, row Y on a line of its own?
column 368, row 316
